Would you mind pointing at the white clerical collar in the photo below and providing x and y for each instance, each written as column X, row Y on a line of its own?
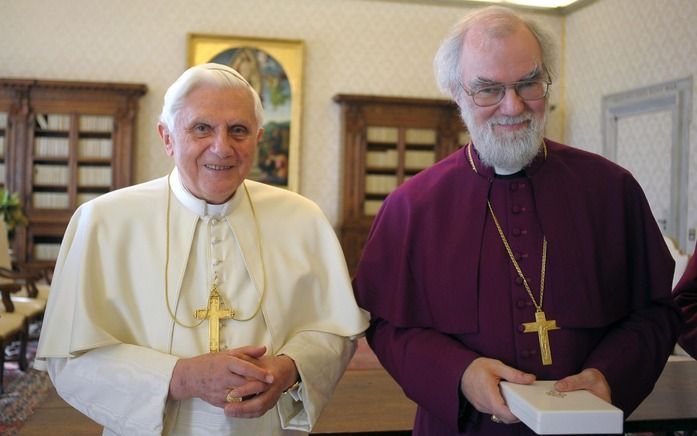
column 505, row 172
column 198, row 206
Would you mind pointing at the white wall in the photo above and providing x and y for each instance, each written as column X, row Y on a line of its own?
column 619, row 45
column 352, row 46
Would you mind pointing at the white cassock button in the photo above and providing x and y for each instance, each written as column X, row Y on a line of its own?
column 215, row 240
column 216, row 262
column 214, row 221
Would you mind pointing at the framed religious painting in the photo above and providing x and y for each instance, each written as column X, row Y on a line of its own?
column 274, row 67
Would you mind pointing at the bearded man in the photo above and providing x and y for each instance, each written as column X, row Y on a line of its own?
column 516, row 258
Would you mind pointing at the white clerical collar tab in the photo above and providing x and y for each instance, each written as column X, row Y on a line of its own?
column 198, row 206
column 505, row 172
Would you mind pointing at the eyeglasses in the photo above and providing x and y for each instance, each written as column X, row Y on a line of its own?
column 492, row 95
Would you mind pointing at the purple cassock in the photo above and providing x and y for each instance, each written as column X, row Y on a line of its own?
column 685, row 294
column 442, row 290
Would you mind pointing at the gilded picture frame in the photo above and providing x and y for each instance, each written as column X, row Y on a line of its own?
column 274, row 67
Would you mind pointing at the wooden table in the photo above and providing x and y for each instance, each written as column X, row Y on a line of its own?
column 672, row 405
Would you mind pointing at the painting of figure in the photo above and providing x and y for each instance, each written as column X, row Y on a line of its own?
column 273, row 68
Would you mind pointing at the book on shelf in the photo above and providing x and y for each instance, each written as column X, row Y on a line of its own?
column 3, row 120
column 50, row 200
column 96, row 123
column 41, row 121
column 51, row 147
column 380, row 184
column 384, row 158
column 2, row 173
column 371, row 207
column 58, row 122
column 2, row 146
column 420, row 136
column 51, row 174
column 419, row 158
column 94, row 148
column 94, row 176
column 46, row 251
column 382, row 135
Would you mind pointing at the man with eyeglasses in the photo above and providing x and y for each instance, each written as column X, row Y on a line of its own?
column 516, row 258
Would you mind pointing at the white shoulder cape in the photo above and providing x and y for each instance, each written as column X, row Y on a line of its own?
column 109, row 285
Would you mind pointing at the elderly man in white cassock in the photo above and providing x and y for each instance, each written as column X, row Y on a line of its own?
column 201, row 303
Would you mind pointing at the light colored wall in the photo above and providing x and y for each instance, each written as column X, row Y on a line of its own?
column 352, row 46
column 619, row 45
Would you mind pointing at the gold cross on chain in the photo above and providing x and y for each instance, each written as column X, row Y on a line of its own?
column 542, row 326
column 214, row 312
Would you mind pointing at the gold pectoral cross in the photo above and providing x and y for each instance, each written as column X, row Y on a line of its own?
column 542, row 326
column 214, row 312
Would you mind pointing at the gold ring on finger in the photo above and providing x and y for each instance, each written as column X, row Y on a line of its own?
column 230, row 398
column 496, row 419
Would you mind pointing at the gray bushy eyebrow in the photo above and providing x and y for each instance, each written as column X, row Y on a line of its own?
column 483, row 82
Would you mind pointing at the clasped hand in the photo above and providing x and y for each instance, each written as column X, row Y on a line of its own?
column 480, row 385
column 243, row 372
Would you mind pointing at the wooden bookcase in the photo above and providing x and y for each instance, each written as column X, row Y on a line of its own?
column 63, row 143
column 387, row 140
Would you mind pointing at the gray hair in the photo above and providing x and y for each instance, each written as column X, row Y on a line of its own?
column 205, row 74
column 501, row 21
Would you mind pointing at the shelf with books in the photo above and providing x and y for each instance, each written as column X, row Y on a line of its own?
column 45, row 248
column 386, row 141
column 96, row 123
column 51, row 145
column 50, row 200
column 93, row 176
column 381, row 158
column 52, row 122
column 380, row 184
column 371, row 206
column 94, row 147
column 50, row 175
column 67, row 143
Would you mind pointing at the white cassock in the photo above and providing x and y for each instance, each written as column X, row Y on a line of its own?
column 110, row 344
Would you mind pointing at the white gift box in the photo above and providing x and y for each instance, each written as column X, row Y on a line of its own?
column 547, row 411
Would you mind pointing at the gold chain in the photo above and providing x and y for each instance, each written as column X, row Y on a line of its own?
column 538, row 307
column 261, row 259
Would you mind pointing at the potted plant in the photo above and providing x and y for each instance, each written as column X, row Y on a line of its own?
column 11, row 208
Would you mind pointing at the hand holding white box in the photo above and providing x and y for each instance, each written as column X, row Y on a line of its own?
column 547, row 411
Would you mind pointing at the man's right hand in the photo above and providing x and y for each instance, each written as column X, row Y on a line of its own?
column 480, row 385
column 211, row 376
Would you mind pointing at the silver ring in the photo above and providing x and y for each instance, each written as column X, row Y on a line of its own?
column 496, row 419
column 230, row 398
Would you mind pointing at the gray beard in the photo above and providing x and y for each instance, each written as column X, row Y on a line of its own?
column 510, row 152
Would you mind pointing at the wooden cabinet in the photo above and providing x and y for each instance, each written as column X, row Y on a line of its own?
column 63, row 143
column 387, row 140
